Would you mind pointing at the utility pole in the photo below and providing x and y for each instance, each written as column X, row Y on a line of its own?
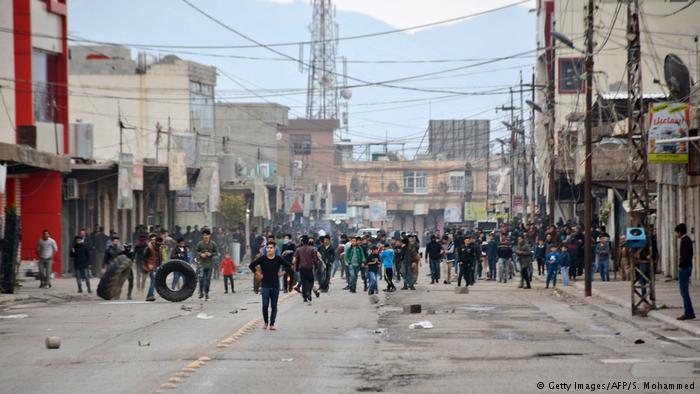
column 169, row 133
column 512, row 160
column 551, row 192
column 533, row 196
column 587, row 213
column 523, row 149
column 638, row 178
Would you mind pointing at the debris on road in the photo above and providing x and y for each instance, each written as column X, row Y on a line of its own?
column 144, row 343
column 244, row 308
column 53, row 342
column 204, row 316
column 461, row 290
column 233, row 312
column 639, row 342
column 374, row 299
column 413, row 308
column 21, row 316
column 421, row 324
column 186, row 307
column 286, row 360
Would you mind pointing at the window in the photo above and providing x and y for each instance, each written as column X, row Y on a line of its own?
column 202, row 107
column 45, row 75
column 456, row 184
column 415, row 182
column 300, row 144
column 570, row 72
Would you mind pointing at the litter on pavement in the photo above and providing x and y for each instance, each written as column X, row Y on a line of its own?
column 286, row 360
column 22, row 316
column 204, row 316
column 421, row 324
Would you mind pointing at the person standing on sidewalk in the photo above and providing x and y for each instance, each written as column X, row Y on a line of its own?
column 206, row 251
column 602, row 253
column 270, row 264
column 552, row 266
column 81, row 262
column 685, row 267
column 46, row 248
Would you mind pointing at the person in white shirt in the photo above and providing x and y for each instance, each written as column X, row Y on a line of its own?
column 46, row 248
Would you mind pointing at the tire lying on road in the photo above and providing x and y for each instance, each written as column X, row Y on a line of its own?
column 188, row 275
column 110, row 286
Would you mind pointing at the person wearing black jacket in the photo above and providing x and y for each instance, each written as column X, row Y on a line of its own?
column 468, row 256
column 270, row 265
column 685, row 267
column 505, row 254
column 327, row 252
column 434, row 252
column 81, row 262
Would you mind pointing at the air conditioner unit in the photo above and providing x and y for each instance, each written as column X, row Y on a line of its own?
column 70, row 189
column 299, row 164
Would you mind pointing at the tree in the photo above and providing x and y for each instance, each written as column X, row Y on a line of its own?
column 233, row 208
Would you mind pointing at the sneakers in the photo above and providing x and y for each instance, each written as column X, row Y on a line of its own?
column 318, row 294
column 684, row 317
column 412, row 288
column 206, row 297
column 201, row 295
column 80, row 290
column 150, row 299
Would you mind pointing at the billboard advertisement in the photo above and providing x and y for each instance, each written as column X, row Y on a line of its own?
column 668, row 121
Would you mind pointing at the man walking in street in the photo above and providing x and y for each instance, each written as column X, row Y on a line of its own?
column 206, row 251
column 46, row 248
column 434, row 252
column 81, row 262
column 270, row 265
column 409, row 256
column 505, row 254
column 354, row 258
column 153, row 258
column 492, row 256
column 685, row 267
column 328, row 256
column 306, row 258
column 449, row 259
column 386, row 255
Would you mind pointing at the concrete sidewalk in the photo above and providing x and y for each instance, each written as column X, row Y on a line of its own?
column 62, row 289
column 668, row 299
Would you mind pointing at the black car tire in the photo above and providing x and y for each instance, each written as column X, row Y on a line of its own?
column 188, row 274
column 110, row 286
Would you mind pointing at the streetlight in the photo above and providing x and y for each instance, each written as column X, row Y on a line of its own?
column 588, row 182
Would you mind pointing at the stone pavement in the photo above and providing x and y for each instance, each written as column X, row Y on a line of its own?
column 668, row 299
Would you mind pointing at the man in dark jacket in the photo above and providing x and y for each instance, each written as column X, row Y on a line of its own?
column 81, row 262
column 434, row 252
column 328, row 256
column 468, row 256
column 685, row 267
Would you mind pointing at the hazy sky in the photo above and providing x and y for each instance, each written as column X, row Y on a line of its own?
column 403, row 13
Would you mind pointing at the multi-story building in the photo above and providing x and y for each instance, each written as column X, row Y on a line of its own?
column 666, row 27
column 34, row 118
column 144, row 114
column 415, row 195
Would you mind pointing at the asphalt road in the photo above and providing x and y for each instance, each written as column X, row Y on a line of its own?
column 497, row 338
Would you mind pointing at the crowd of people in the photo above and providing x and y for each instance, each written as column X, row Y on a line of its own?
column 306, row 262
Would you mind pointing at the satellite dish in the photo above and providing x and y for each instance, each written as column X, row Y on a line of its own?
column 346, row 93
column 677, row 77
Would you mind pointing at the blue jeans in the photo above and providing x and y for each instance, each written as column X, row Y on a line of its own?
column 372, row 282
column 80, row 274
column 492, row 268
column 408, row 275
column 552, row 274
column 683, row 282
column 270, row 296
column 603, row 267
column 353, row 271
column 435, row 269
column 152, row 286
column 565, row 275
column 177, row 275
column 205, row 281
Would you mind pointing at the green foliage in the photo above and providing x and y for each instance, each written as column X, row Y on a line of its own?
column 233, row 208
